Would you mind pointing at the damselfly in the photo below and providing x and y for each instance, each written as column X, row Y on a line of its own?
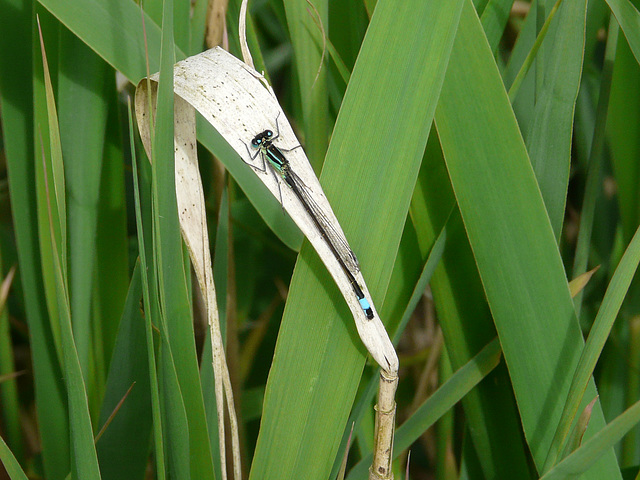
column 280, row 166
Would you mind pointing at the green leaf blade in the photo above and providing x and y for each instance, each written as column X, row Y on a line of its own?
column 512, row 240
column 318, row 359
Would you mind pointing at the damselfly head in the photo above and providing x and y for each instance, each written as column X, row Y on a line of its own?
column 261, row 138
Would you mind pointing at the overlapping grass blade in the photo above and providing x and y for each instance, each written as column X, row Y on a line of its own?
column 318, row 361
column 149, row 296
column 490, row 409
column 16, row 96
column 179, row 379
column 20, row 83
column 494, row 17
column 308, row 44
column 623, row 135
column 549, row 138
column 629, row 19
column 594, row 173
column 84, row 461
column 10, row 463
column 593, row 449
column 44, row 142
column 512, row 241
column 83, row 107
column 123, row 449
column 598, row 335
column 114, row 31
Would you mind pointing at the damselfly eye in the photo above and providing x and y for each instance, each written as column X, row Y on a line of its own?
column 256, row 142
column 269, row 133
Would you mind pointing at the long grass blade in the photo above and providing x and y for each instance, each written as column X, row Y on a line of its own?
column 317, row 346
column 594, row 174
column 592, row 450
column 10, row 413
column 123, row 449
column 598, row 335
column 307, row 43
column 549, row 137
column 179, row 362
column 503, row 212
column 628, row 17
column 10, row 463
column 149, row 297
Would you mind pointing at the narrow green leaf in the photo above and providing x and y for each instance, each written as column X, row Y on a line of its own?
column 123, row 449
column 150, row 300
column 629, row 19
column 176, row 427
column 623, row 135
column 316, row 366
column 512, row 240
column 445, row 427
column 338, row 62
column 84, row 461
column 167, row 260
column 593, row 449
column 112, row 241
column 198, row 27
column 222, row 268
column 18, row 70
column 59, row 206
column 348, row 23
column 176, row 313
column 532, row 54
column 598, row 335
column 10, row 412
column 494, row 18
column 50, row 181
column 10, row 463
column 549, row 138
column 594, row 174
column 423, row 281
column 83, row 113
column 524, row 102
column 307, row 42
column 181, row 24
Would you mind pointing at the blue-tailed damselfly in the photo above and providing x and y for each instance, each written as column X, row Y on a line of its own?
column 280, row 166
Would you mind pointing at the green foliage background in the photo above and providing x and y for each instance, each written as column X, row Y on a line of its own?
column 457, row 151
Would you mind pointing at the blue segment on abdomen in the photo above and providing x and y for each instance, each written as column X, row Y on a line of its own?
column 364, row 304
